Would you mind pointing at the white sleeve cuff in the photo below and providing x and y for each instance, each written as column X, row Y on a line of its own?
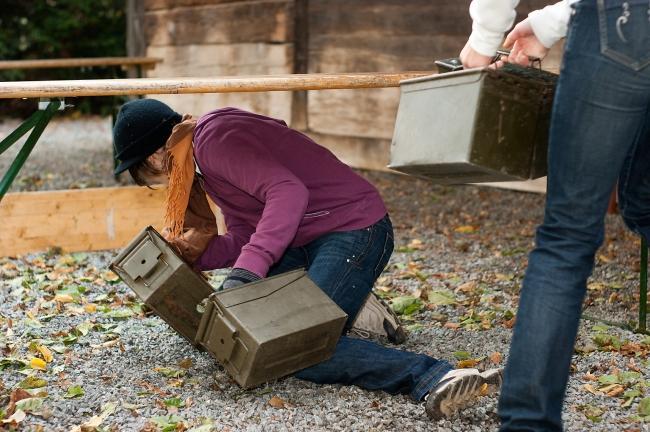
column 551, row 23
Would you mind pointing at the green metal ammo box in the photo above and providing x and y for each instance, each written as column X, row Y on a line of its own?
column 473, row 126
column 271, row 328
column 163, row 281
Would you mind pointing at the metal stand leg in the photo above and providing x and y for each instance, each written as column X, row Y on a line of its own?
column 643, row 290
column 38, row 121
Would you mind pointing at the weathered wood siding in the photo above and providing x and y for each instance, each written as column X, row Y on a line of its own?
column 231, row 37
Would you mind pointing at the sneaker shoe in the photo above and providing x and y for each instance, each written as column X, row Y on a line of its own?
column 376, row 319
column 459, row 388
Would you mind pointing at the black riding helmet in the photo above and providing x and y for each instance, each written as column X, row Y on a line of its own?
column 142, row 127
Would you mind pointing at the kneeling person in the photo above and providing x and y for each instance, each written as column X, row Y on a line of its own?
column 288, row 203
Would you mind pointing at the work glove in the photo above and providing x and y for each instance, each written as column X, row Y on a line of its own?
column 237, row 277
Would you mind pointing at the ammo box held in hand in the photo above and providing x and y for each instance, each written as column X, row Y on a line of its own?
column 163, row 281
column 476, row 125
column 271, row 328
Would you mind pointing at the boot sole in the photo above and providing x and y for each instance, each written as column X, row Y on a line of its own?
column 461, row 392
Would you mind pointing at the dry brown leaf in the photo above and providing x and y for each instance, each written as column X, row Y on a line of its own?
column 485, row 390
column 90, row 308
column 590, row 389
column 453, row 326
column 16, row 395
column 589, row 377
column 616, row 391
column 277, row 402
column 496, row 357
column 63, row 298
column 186, row 363
column 467, row 364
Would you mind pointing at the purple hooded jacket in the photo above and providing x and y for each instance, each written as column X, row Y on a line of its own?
column 276, row 188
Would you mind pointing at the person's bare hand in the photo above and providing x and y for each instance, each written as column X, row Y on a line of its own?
column 472, row 59
column 523, row 44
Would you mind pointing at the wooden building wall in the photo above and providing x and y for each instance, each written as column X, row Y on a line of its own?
column 234, row 37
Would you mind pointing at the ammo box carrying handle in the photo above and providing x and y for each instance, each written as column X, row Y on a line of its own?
column 454, row 64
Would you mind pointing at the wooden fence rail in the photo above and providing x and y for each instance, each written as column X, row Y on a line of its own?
column 253, row 83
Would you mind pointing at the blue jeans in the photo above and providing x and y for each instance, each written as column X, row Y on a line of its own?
column 345, row 266
column 600, row 134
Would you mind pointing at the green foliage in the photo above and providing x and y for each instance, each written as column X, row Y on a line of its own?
column 50, row 29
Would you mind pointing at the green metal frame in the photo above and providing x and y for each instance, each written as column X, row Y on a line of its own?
column 36, row 123
column 643, row 290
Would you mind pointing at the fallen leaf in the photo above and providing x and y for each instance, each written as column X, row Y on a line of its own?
column 16, row 396
column 406, row 305
column 644, row 407
column 467, row 364
column 15, row 418
column 277, row 402
column 46, row 353
column 90, row 308
column 589, row 377
column 38, row 364
column 186, row 363
column 616, row 391
column 452, row 326
column 496, row 357
column 74, row 392
column 32, row 382
column 441, row 297
column 63, row 298
column 466, row 229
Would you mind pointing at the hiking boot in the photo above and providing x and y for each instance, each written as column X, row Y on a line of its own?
column 459, row 388
column 377, row 320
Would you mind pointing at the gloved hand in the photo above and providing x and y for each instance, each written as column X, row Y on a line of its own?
column 237, row 277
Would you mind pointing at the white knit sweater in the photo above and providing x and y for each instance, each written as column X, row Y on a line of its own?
column 492, row 18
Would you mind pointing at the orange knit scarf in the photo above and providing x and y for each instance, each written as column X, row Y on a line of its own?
column 181, row 174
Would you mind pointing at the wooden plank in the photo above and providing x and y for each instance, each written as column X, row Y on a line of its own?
column 109, row 87
column 363, row 153
column 76, row 220
column 369, row 113
column 170, row 4
column 236, row 59
column 147, row 62
column 258, row 21
column 80, row 219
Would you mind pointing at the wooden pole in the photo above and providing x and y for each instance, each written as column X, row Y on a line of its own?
column 234, row 84
column 147, row 62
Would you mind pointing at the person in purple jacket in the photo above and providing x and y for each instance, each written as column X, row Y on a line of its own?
column 290, row 203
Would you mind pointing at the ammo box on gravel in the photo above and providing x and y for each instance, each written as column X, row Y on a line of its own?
column 475, row 125
column 163, row 281
column 271, row 328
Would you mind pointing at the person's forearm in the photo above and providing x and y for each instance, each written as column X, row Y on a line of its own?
column 491, row 19
column 550, row 23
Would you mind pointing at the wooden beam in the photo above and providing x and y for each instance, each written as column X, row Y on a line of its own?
column 146, row 62
column 77, row 220
column 234, row 84
column 81, row 219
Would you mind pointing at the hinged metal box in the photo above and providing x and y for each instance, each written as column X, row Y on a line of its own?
column 163, row 281
column 271, row 328
column 472, row 126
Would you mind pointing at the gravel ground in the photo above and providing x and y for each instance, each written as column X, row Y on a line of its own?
column 460, row 250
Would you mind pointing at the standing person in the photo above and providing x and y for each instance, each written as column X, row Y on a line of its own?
column 288, row 203
column 600, row 134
